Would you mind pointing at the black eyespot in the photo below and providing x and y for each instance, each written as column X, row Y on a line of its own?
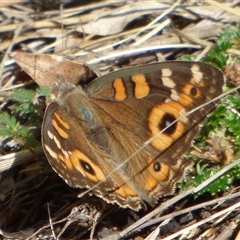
column 165, row 122
column 156, row 166
column 87, row 167
column 193, row 92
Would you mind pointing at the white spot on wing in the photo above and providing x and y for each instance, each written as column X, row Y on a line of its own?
column 50, row 135
column 197, row 74
column 57, row 142
column 53, row 137
column 174, row 96
column 51, row 153
column 166, row 72
column 166, row 80
column 65, row 153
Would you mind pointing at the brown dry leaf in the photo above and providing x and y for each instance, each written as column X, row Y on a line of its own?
column 108, row 25
column 47, row 69
column 232, row 71
column 208, row 12
column 113, row 22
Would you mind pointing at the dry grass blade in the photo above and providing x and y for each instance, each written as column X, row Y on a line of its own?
column 19, row 158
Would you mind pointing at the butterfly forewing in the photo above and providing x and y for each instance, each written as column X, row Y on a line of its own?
column 72, row 154
column 97, row 139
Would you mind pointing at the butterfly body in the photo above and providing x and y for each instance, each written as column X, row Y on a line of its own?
column 123, row 136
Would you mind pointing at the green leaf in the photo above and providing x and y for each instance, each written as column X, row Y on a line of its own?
column 5, row 131
column 23, row 132
column 23, row 95
column 205, row 172
column 187, row 58
column 7, row 120
column 44, row 91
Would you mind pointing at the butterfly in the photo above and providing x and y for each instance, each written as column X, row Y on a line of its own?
column 123, row 135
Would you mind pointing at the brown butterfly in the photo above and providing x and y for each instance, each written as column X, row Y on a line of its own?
column 123, row 136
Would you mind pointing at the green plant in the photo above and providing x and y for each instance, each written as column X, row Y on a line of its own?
column 22, row 116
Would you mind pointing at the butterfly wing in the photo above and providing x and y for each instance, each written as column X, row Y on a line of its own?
column 147, row 103
column 77, row 147
column 107, row 138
